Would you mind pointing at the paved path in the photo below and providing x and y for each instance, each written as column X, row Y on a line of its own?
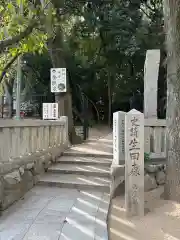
column 51, row 213
column 56, row 214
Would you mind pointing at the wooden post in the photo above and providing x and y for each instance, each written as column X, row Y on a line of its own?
column 118, row 137
column 151, row 73
column 134, row 163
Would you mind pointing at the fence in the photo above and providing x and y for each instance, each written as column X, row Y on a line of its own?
column 19, row 138
column 31, row 107
column 155, row 138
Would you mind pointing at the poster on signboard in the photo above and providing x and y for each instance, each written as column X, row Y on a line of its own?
column 45, row 111
column 58, row 80
column 50, row 111
column 54, row 110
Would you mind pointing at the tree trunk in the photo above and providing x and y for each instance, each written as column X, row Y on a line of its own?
column 56, row 51
column 9, row 96
column 172, row 24
column 64, row 100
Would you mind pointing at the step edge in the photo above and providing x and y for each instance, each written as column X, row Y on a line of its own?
column 54, row 167
column 72, row 170
column 105, row 189
column 73, row 183
column 85, row 173
column 83, row 162
column 71, row 154
column 75, row 175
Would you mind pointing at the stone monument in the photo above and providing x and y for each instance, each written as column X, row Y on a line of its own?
column 151, row 72
column 134, row 163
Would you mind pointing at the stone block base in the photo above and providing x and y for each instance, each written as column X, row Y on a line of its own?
column 21, row 174
column 154, row 176
column 117, row 180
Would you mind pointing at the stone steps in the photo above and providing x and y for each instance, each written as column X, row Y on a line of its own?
column 79, row 170
column 74, row 153
column 84, row 166
column 87, row 170
column 75, row 181
column 84, row 160
column 92, row 150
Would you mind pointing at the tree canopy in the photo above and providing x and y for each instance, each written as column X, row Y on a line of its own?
column 102, row 42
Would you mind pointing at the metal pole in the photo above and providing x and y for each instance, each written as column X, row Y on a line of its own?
column 18, row 89
column 19, row 76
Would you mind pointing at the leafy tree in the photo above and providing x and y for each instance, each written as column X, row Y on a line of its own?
column 18, row 36
column 102, row 44
column 109, row 44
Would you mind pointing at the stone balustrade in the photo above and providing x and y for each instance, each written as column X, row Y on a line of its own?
column 20, row 138
column 155, row 138
column 27, row 149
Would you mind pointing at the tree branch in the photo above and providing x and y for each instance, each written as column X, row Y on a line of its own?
column 13, row 40
column 8, row 65
column 150, row 8
column 145, row 13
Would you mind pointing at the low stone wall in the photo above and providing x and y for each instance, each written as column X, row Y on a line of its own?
column 117, row 180
column 22, row 174
column 154, row 176
column 27, row 148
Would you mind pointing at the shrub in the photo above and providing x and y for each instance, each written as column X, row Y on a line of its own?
column 146, row 157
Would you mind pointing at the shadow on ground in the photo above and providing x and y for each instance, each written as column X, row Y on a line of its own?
column 161, row 221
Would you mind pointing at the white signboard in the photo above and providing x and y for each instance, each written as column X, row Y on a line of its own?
column 50, row 111
column 58, row 80
column 118, row 137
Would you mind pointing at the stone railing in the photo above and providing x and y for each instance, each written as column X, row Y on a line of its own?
column 27, row 148
column 155, row 138
column 155, row 144
column 20, row 138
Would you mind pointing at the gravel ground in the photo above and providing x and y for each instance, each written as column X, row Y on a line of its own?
column 161, row 221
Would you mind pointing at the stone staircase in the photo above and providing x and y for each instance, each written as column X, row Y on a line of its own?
column 84, row 167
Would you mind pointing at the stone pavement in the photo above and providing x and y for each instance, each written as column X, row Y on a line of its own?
column 47, row 213
column 75, row 213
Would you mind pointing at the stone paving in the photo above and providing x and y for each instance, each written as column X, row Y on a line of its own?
column 47, row 213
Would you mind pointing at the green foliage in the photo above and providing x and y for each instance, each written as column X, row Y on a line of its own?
column 110, row 41
column 147, row 157
column 15, row 19
column 103, row 41
column 37, row 73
